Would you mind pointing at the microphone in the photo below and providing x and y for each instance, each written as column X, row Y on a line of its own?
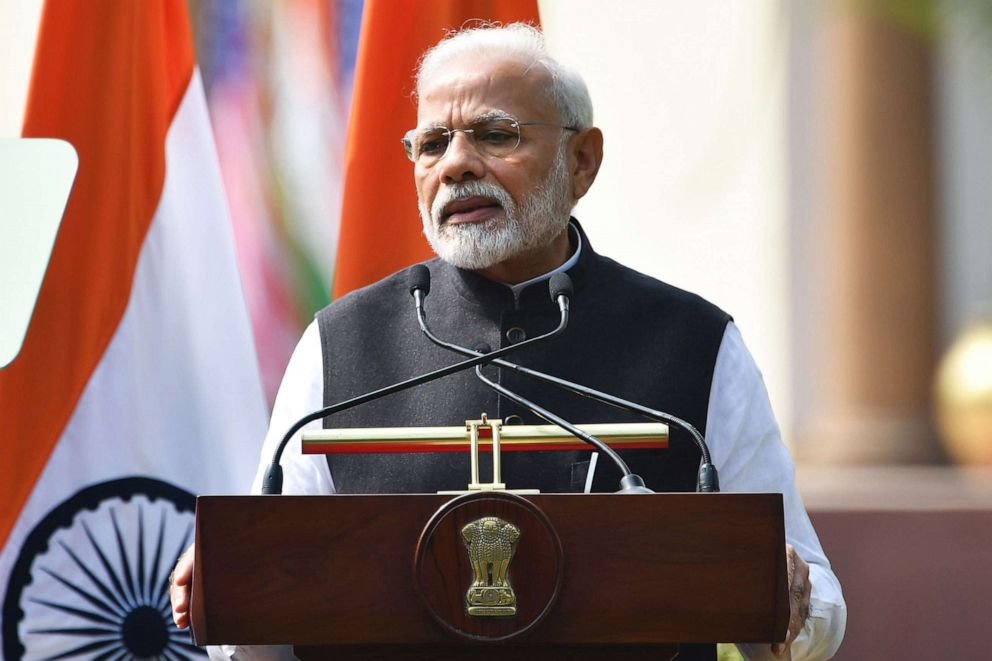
column 419, row 281
column 707, row 480
column 560, row 287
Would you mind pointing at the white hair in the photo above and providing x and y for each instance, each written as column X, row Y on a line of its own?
column 568, row 91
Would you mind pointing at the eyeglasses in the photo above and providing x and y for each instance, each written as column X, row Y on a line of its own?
column 497, row 137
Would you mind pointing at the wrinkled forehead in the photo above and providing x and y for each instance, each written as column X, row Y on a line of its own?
column 461, row 91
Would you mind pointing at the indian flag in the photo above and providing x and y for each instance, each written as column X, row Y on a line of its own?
column 137, row 385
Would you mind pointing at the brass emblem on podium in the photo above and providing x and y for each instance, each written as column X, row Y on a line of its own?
column 491, row 543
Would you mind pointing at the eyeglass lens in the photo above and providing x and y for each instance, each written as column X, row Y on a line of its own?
column 496, row 137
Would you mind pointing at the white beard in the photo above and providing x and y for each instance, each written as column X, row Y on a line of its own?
column 543, row 216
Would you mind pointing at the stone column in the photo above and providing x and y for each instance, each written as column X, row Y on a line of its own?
column 875, row 350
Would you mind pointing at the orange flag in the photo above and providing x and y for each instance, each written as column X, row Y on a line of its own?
column 380, row 225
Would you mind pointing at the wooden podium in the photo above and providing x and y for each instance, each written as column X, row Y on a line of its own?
column 387, row 576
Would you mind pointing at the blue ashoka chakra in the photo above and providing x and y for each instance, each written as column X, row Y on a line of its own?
column 92, row 579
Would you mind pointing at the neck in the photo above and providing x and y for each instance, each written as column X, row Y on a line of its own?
column 531, row 264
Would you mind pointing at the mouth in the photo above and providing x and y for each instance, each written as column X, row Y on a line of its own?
column 473, row 209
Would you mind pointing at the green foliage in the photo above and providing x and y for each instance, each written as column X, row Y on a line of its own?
column 927, row 18
column 919, row 16
column 728, row 652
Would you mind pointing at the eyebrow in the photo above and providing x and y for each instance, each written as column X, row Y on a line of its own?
column 487, row 116
column 491, row 115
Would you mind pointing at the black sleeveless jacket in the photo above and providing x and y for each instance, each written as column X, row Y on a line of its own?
column 629, row 335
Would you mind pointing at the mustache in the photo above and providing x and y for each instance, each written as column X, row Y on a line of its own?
column 466, row 189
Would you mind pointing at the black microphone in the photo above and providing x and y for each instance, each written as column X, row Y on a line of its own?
column 560, row 287
column 419, row 281
column 707, row 480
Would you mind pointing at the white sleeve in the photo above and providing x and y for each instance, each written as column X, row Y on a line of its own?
column 301, row 392
column 251, row 653
column 747, row 449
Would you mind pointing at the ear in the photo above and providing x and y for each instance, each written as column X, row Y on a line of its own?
column 585, row 157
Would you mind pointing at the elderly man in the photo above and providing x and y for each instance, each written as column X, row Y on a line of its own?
column 503, row 149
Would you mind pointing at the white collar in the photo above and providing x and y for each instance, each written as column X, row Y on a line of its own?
column 569, row 263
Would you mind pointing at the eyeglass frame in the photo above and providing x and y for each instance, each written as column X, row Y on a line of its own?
column 407, row 142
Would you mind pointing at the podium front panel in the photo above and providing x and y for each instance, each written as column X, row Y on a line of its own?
column 636, row 569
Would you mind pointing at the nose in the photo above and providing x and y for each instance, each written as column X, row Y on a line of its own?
column 461, row 161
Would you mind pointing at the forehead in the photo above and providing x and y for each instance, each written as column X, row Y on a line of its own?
column 463, row 89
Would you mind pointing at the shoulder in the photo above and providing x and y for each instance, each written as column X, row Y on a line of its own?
column 735, row 361
column 374, row 300
column 639, row 289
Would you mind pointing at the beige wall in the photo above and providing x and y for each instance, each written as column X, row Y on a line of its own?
column 18, row 29
column 693, row 190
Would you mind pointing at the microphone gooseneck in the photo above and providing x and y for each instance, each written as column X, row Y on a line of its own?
column 708, row 479
column 560, row 287
column 554, row 419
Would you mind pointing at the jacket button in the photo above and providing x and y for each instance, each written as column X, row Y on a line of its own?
column 516, row 335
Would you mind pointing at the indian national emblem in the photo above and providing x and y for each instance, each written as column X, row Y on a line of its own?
column 491, row 542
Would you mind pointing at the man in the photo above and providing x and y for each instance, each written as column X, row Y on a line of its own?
column 503, row 149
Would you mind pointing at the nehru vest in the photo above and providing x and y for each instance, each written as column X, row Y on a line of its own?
column 629, row 335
